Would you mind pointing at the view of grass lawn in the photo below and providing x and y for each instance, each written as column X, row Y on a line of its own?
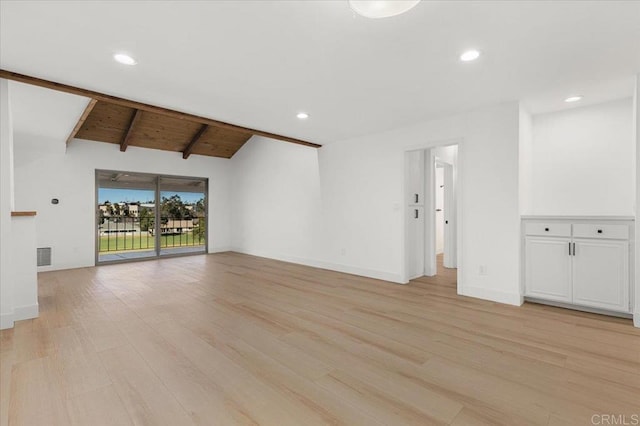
column 115, row 242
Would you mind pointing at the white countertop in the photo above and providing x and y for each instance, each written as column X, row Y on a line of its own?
column 547, row 217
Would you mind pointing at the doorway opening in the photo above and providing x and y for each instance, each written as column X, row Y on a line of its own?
column 141, row 216
column 431, row 225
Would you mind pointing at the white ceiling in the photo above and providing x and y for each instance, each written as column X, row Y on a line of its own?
column 44, row 112
column 257, row 63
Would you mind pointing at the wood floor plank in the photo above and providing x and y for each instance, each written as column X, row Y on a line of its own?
column 37, row 394
column 144, row 395
column 100, row 407
column 236, row 339
column 79, row 364
column 203, row 399
column 6, row 365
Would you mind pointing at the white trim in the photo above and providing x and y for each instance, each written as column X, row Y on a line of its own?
column 429, row 216
column 547, row 217
column 6, row 321
column 25, row 312
column 492, row 295
column 338, row 267
column 214, row 250
column 636, row 320
column 459, row 141
column 19, row 313
column 450, row 258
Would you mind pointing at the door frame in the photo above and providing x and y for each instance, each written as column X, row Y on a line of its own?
column 450, row 216
column 157, row 233
column 429, row 208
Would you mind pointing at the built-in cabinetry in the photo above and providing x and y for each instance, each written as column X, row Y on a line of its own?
column 584, row 262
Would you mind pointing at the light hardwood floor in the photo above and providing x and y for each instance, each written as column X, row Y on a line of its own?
column 234, row 339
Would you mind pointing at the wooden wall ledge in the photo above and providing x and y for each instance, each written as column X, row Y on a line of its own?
column 18, row 214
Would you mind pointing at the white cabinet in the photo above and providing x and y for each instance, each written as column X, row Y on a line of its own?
column 578, row 263
column 548, row 268
column 601, row 274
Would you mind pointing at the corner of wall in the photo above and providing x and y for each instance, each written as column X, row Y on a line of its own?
column 636, row 130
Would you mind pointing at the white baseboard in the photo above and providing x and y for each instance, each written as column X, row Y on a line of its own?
column 19, row 313
column 636, row 320
column 347, row 269
column 6, row 321
column 493, row 295
column 213, row 250
column 25, row 312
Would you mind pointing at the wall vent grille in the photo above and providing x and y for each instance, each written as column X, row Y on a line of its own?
column 44, row 256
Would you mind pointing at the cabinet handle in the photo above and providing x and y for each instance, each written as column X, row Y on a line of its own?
column 416, row 198
column 574, row 249
column 569, row 249
column 599, row 231
column 416, row 213
column 546, row 229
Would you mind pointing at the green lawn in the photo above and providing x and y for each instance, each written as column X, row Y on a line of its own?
column 140, row 241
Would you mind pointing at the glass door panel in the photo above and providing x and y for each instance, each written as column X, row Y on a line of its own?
column 126, row 216
column 183, row 215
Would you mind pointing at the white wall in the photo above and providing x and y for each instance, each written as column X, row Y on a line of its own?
column 6, row 161
column 636, row 135
column 526, row 161
column 276, row 200
column 44, row 171
column 584, row 161
column 360, row 228
column 23, row 266
column 18, row 278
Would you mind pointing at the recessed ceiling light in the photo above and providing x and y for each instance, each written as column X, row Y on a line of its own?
column 381, row 8
column 470, row 55
column 124, row 59
column 302, row 115
column 574, row 98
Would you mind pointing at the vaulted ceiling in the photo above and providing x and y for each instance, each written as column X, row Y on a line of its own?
column 257, row 63
column 126, row 126
column 121, row 121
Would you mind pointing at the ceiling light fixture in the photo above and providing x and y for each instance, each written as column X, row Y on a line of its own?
column 376, row 9
column 302, row 115
column 125, row 59
column 470, row 55
column 574, row 98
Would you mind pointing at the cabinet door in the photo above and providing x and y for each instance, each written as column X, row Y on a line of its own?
column 416, row 241
column 601, row 274
column 548, row 268
column 415, row 177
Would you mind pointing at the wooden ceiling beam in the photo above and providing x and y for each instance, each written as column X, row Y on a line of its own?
column 187, row 151
column 125, row 140
column 82, row 119
column 35, row 81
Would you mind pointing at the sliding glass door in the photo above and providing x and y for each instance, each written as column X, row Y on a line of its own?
column 183, row 225
column 144, row 216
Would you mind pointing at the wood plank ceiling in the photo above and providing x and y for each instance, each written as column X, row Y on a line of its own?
column 129, row 123
column 126, row 126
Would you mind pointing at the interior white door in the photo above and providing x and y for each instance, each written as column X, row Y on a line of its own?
column 415, row 236
column 548, row 268
column 439, row 188
column 450, row 218
column 601, row 274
